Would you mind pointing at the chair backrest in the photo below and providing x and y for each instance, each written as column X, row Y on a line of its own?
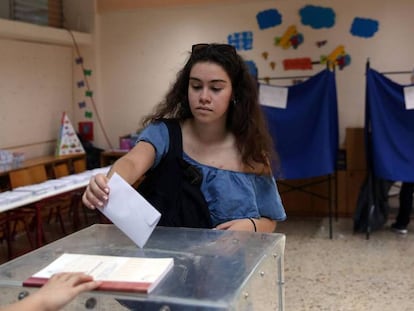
column 27, row 176
column 20, row 178
column 79, row 165
column 61, row 170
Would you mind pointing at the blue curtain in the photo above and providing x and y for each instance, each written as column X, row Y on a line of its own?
column 306, row 132
column 391, row 128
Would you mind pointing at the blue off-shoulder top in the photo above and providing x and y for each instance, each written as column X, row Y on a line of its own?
column 229, row 194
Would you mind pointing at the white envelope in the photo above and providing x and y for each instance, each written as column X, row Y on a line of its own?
column 129, row 211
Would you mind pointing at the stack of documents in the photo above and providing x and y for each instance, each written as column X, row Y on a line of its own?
column 36, row 189
column 11, row 196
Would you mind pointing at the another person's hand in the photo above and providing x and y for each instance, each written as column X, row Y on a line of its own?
column 64, row 287
column 96, row 194
column 59, row 290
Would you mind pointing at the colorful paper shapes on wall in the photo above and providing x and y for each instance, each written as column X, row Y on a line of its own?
column 86, row 130
column 364, row 27
column 337, row 57
column 304, row 63
column 79, row 60
column 88, row 93
column 265, row 55
column 80, row 84
column 269, row 18
column 291, row 38
column 241, row 40
column 321, row 43
column 272, row 65
column 88, row 114
column 82, row 104
column 251, row 66
column 317, row 17
column 87, row 72
column 68, row 141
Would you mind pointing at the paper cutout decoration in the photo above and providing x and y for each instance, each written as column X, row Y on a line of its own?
column 317, row 17
column 88, row 114
column 241, row 40
column 80, row 83
column 364, row 27
column 321, row 43
column 88, row 93
column 82, row 104
column 68, row 141
column 304, row 63
column 265, row 55
column 272, row 65
column 338, row 57
column 291, row 38
column 87, row 72
column 79, row 60
column 269, row 18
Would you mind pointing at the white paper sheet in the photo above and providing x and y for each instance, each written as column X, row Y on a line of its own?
column 409, row 97
column 273, row 96
column 129, row 211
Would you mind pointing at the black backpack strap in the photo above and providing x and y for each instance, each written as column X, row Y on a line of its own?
column 173, row 187
column 190, row 173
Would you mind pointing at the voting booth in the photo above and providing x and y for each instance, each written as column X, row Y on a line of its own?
column 213, row 269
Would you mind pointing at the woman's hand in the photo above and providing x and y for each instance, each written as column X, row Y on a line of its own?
column 237, row 225
column 263, row 224
column 97, row 192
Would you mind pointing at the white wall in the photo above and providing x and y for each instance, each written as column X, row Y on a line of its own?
column 140, row 51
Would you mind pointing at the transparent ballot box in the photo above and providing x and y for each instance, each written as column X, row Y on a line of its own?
column 213, row 269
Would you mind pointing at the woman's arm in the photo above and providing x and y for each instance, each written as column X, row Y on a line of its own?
column 130, row 167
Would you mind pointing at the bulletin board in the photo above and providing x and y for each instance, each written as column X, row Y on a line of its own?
column 35, row 89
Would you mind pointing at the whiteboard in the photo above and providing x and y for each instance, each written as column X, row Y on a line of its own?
column 35, row 89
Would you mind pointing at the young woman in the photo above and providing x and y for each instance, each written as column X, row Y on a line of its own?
column 215, row 100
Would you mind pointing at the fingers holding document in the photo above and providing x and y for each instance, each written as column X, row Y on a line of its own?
column 97, row 191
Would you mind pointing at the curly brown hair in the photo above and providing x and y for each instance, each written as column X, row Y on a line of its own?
column 245, row 119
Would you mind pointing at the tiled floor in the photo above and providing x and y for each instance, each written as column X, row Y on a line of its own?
column 349, row 272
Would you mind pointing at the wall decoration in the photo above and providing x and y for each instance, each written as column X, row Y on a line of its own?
column 241, row 40
column 269, row 18
column 251, row 65
column 317, row 17
column 85, row 130
column 338, row 57
column 304, row 63
column 265, row 55
column 88, row 114
column 291, row 38
column 68, row 142
column 320, row 44
column 364, row 27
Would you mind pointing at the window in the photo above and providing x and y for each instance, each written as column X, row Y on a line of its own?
column 41, row 12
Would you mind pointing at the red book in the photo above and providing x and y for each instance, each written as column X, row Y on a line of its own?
column 126, row 274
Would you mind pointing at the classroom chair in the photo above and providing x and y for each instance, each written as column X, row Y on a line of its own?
column 34, row 175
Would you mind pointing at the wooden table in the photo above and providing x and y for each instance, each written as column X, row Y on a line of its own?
column 78, row 182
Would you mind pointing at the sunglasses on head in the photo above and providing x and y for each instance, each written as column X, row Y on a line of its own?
column 216, row 46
